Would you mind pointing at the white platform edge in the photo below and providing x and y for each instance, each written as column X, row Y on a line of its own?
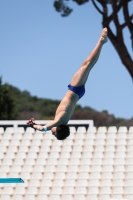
column 15, row 123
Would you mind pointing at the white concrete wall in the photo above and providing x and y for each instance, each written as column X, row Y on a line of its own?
column 15, row 123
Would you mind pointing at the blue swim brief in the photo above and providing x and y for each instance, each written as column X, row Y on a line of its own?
column 80, row 90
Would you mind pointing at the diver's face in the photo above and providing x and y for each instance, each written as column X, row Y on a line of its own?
column 54, row 130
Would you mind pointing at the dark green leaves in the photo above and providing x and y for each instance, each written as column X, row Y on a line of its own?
column 61, row 6
column 8, row 108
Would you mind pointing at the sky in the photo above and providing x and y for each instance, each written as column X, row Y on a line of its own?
column 40, row 51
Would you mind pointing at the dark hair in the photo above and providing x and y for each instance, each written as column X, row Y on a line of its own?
column 63, row 132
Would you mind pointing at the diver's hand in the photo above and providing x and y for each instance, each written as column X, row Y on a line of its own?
column 31, row 121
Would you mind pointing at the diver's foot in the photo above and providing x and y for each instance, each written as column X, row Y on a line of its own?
column 103, row 36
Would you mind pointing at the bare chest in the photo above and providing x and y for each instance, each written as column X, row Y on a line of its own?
column 67, row 105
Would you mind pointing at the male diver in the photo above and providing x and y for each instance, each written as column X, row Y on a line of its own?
column 76, row 89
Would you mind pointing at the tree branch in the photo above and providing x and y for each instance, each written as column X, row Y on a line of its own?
column 128, row 20
column 95, row 5
column 118, row 43
column 110, row 18
column 116, row 20
column 125, row 23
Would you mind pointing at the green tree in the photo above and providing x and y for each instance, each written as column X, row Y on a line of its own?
column 104, row 7
column 8, row 109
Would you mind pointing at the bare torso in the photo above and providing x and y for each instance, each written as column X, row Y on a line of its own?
column 66, row 107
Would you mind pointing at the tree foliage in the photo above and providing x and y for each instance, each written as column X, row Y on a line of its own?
column 31, row 106
column 117, row 38
column 8, row 109
column 20, row 105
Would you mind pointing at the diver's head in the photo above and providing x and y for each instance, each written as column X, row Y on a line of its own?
column 61, row 132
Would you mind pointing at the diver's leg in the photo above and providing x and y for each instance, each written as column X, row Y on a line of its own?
column 81, row 75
